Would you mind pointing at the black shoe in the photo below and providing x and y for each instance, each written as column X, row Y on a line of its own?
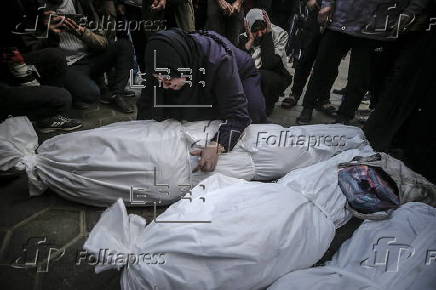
column 327, row 109
column 58, row 123
column 289, row 102
column 80, row 105
column 122, row 105
column 107, row 98
column 129, row 93
column 363, row 116
column 305, row 117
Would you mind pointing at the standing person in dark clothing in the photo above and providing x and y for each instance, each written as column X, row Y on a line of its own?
column 162, row 14
column 281, row 11
column 353, row 25
column 310, row 39
column 226, row 18
column 200, row 9
column 409, row 69
column 266, row 44
column 404, row 116
column 201, row 76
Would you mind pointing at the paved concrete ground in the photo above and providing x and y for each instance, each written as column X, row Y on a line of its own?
column 65, row 225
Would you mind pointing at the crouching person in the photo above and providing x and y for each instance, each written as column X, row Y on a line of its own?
column 43, row 100
column 266, row 44
column 88, row 43
column 201, row 76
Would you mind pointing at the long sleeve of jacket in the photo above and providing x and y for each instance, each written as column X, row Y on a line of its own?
column 93, row 40
column 232, row 103
column 270, row 60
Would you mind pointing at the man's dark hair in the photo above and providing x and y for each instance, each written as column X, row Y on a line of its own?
column 258, row 25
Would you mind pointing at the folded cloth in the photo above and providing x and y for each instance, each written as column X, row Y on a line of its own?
column 368, row 189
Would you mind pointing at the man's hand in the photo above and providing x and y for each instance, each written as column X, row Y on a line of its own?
column 237, row 6
column 268, row 22
column 251, row 36
column 225, row 7
column 72, row 26
column 312, row 5
column 121, row 9
column 324, row 15
column 158, row 5
column 54, row 22
column 209, row 157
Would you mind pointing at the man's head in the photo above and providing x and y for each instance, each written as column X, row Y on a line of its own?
column 255, row 20
column 259, row 28
column 258, row 25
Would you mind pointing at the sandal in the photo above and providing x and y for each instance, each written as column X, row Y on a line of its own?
column 288, row 103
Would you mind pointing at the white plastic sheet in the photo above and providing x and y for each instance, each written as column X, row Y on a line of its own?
column 147, row 161
column 397, row 254
column 258, row 231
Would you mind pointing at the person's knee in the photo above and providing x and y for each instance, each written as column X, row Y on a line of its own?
column 55, row 58
column 65, row 98
column 123, row 45
column 91, row 95
column 58, row 99
column 88, row 93
column 257, row 111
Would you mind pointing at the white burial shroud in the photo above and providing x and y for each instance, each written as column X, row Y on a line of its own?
column 257, row 232
column 147, row 161
column 394, row 254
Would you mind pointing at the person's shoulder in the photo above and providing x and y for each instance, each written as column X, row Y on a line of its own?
column 277, row 29
column 213, row 45
column 279, row 33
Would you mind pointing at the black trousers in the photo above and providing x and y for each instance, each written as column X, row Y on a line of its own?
column 332, row 48
column 34, row 102
column 81, row 76
column 409, row 75
column 229, row 26
column 51, row 65
column 138, row 35
column 311, row 38
column 273, row 85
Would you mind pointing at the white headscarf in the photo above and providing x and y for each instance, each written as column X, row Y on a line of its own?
column 253, row 15
column 280, row 38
